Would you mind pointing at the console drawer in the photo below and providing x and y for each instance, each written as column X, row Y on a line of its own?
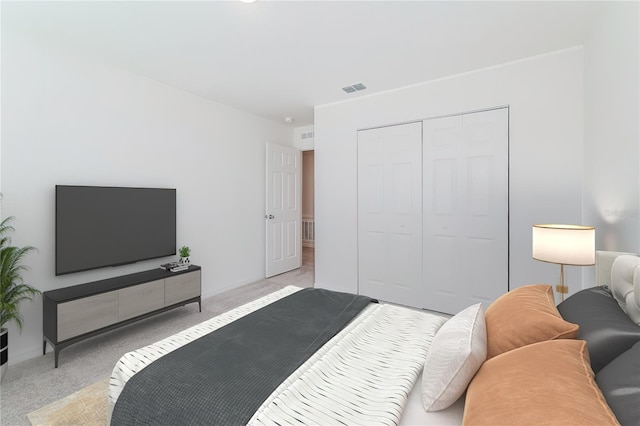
column 181, row 287
column 140, row 299
column 81, row 316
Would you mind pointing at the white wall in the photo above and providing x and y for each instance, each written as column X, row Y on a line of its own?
column 68, row 120
column 303, row 138
column 611, row 130
column 545, row 98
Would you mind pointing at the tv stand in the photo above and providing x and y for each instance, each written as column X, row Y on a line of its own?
column 76, row 313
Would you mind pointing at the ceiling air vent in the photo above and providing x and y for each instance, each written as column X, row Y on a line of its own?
column 354, row 87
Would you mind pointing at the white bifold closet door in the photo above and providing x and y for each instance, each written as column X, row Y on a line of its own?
column 466, row 217
column 433, row 220
column 390, row 213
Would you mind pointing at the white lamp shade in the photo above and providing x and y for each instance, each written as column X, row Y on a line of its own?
column 564, row 244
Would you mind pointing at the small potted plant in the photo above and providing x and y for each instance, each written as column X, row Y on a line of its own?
column 13, row 290
column 185, row 252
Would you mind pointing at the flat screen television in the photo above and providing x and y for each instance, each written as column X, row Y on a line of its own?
column 99, row 226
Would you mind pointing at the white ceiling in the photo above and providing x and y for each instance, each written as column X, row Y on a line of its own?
column 279, row 59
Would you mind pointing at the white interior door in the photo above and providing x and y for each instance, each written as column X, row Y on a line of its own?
column 283, row 209
column 390, row 213
column 466, row 231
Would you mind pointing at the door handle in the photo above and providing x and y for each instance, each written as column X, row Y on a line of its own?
column 269, row 216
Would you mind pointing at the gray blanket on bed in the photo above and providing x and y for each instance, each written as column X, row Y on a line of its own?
column 223, row 377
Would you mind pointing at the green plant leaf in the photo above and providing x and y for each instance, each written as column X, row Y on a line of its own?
column 13, row 290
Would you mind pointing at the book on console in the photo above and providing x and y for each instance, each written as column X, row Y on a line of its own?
column 174, row 266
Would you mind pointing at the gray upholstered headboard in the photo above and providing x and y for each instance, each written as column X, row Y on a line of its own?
column 604, row 262
column 621, row 272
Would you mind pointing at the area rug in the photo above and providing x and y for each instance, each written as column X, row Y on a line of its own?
column 88, row 406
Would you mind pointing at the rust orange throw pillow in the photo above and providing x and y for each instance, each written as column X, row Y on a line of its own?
column 547, row 383
column 523, row 316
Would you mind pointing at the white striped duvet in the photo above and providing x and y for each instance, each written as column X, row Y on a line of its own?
column 362, row 376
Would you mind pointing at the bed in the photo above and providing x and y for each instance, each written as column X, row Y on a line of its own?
column 394, row 365
column 365, row 374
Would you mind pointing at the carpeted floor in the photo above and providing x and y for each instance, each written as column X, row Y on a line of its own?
column 34, row 384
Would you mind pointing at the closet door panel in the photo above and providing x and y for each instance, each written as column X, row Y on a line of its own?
column 465, row 181
column 441, row 200
column 486, row 148
column 389, row 213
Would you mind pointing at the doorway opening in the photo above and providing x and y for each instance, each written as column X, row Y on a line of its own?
column 308, row 209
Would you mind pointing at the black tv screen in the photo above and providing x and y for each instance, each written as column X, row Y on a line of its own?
column 100, row 226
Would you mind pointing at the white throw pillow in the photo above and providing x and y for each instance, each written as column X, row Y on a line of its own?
column 625, row 285
column 455, row 355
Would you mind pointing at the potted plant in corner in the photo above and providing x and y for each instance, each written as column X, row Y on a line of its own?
column 185, row 252
column 13, row 290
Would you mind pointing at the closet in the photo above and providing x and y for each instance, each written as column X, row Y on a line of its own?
column 433, row 215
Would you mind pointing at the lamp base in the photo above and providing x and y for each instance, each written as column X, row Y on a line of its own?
column 561, row 288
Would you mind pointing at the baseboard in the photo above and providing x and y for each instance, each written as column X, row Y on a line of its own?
column 229, row 287
column 25, row 354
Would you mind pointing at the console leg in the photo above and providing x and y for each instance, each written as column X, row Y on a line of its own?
column 44, row 347
column 56, row 352
column 200, row 304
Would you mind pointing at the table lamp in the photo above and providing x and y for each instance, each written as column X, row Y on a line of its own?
column 566, row 245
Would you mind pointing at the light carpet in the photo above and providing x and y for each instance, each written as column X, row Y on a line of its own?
column 87, row 407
